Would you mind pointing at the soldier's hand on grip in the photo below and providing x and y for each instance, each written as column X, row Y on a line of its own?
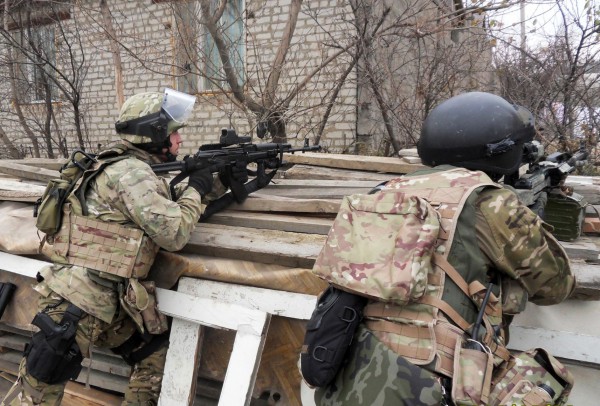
column 236, row 173
column 202, row 181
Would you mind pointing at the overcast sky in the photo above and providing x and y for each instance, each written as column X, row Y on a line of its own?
column 542, row 18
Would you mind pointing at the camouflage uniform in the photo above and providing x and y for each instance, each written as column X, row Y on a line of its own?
column 126, row 192
column 496, row 236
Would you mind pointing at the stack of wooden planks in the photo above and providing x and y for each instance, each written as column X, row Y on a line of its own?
column 270, row 241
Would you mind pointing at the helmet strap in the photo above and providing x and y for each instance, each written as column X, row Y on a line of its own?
column 168, row 154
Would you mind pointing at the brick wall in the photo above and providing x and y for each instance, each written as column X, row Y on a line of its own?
column 148, row 30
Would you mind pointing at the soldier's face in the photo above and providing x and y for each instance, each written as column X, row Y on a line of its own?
column 176, row 142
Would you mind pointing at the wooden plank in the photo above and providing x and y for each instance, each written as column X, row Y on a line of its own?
column 266, row 203
column 321, row 183
column 251, row 244
column 78, row 395
column 247, row 349
column 279, row 303
column 582, row 248
column 243, row 366
column 45, row 163
column 354, row 162
column 564, row 344
column 318, row 172
column 576, row 320
column 108, row 364
column 587, row 278
column 412, row 160
column 313, row 193
column 21, row 265
column 180, row 374
column 297, row 224
column 209, row 312
column 28, row 172
column 13, row 190
column 6, row 195
column 16, row 186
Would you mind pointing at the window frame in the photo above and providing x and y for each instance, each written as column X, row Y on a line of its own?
column 196, row 73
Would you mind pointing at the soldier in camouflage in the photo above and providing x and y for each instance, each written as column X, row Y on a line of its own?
column 128, row 214
column 407, row 353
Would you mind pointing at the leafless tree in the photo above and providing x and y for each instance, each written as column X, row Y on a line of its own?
column 410, row 57
column 41, row 79
column 558, row 79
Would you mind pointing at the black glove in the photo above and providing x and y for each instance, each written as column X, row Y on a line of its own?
column 236, row 173
column 202, row 181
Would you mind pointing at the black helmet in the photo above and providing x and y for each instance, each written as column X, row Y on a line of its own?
column 476, row 130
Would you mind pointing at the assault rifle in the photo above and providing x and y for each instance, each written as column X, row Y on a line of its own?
column 233, row 150
column 559, row 206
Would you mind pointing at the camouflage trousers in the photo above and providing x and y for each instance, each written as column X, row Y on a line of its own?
column 145, row 380
column 376, row 376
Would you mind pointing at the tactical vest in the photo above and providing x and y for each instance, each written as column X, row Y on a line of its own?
column 112, row 250
column 421, row 331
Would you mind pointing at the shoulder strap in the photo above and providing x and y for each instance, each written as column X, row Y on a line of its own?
column 105, row 158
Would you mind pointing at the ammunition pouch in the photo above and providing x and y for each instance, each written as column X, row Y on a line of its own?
column 566, row 215
column 53, row 356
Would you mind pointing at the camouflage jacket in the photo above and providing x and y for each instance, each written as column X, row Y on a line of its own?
column 127, row 192
column 495, row 238
column 499, row 235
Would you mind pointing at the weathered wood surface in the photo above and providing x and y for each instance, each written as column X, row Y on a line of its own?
column 318, row 172
column 252, row 244
column 17, row 191
column 27, row 171
column 272, row 241
column 281, row 222
column 588, row 186
column 265, row 203
column 354, row 162
column 44, row 163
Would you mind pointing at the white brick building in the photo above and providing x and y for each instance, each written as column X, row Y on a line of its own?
column 94, row 51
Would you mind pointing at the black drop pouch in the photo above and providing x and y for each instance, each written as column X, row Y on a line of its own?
column 329, row 333
column 53, row 356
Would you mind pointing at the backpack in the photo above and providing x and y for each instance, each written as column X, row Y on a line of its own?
column 48, row 209
column 381, row 246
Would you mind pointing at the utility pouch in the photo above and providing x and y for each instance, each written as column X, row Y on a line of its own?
column 139, row 301
column 53, row 356
column 472, row 375
column 531, row 378
column 154, row 321
column 48, row 208
column 329, row 333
